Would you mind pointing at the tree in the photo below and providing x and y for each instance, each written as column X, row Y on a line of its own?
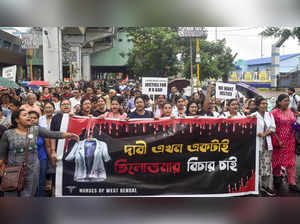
column 216, row 60
column 160, row 52
column 155, row 51
column 282, row 32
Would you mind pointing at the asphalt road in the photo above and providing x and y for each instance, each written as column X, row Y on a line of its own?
column 283, row 190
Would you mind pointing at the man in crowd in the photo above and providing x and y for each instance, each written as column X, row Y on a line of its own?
column 75, row 100
column 56, row 102
column 46, row 95
column 173, row 94
column 31, row 104
column 122, row 87
column 67, row 92
column 294, row 99
column 89, row 93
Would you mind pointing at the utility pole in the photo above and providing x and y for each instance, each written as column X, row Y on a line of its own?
column 216, row 33
column 198, row 32
column 191, row 57
column 198, row 60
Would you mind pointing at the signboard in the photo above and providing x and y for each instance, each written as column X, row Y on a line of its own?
column 154, row 86
column 31, row 41
column 225, row 90
column 10, row 73
column 70, row 56
column 191, row 32
column 199, row 157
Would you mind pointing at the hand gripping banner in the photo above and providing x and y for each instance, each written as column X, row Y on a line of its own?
column 199, row 157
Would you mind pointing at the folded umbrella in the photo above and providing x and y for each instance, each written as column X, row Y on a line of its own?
column 247, row 90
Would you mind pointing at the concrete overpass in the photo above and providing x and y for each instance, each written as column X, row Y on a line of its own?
column 75, row 44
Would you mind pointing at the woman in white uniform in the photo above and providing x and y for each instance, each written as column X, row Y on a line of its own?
column 265, row 127
column 233, row 110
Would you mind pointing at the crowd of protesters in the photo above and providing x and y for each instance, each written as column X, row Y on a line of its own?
column 44, row 111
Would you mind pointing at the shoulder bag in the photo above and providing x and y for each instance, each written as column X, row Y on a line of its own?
column 14, row 176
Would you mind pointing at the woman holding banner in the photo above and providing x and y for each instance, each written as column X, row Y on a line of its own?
column 193, row 108
column 250, row 107
column 13, row 146
column 284, row 154
column 140, row 111
column 208, row 105
column 85, row 107
column 179, row 109
column 56, row 125
column 167, row 111
column 233, row 110
column 116, row 111
column 265, row 128
column 158, row 106
column 101, row 109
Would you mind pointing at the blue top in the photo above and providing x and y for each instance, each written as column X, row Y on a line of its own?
column 134, row 114
column 41, row 148
column 6, row 112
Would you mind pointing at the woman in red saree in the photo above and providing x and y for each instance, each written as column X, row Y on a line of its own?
column 284, row 155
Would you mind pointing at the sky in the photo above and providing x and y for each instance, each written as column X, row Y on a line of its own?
column 245, row 41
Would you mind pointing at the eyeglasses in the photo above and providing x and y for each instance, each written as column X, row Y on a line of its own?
column 66, row 104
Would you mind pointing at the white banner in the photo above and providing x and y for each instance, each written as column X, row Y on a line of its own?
column 10, row 73
column 225, row 90
column 155, row 86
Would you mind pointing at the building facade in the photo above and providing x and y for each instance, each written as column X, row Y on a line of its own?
column 11, row 53
column 257, row 72
column 87, row 53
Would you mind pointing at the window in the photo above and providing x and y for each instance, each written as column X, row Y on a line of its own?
column 16, row 47
column 6, row 44
column 23, row 51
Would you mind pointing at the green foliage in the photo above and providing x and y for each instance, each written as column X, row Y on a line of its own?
column 282, row 32
column 216, row 59
column 156, row 51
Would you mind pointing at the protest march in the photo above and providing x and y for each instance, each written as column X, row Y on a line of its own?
column 87, row 139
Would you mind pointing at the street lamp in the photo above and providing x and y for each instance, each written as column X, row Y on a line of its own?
column 198, row 32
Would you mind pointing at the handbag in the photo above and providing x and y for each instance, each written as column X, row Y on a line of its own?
column 13, row 178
